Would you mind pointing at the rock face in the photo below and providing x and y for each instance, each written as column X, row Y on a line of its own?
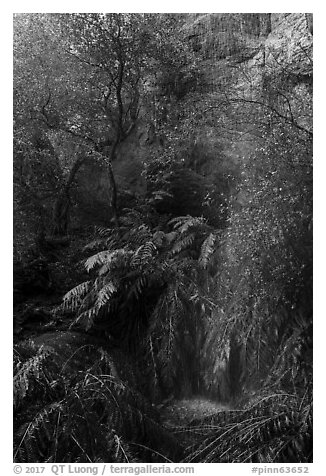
column 224, row 35
column 221, row 35
column 260, row 57
column 290, row 44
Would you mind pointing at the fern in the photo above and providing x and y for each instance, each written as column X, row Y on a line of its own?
column 207, row 248
column 277, row 428
column 35, row 438
column 105, row 294
column 99, row 417
column 31, row 374
column 104, row 232
column 86, row 318
column 138, row 236
column 143, row 254
column 106, row 243
column 94, row 244
column 103, row 257
column 125, row 291
column 149, row 269
column 72, row 298
column 182, row 243
column 182, row 224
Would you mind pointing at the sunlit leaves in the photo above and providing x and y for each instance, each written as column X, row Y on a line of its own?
column 266, row 259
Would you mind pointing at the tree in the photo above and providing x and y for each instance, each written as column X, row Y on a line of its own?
column 38, row 70
column 86, row 72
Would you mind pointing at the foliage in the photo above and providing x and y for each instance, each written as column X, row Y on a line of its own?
column 144, row 292
column 88, row 77
column 265, row 278
column 275, row 428
column 204, row 285
column 86, row 416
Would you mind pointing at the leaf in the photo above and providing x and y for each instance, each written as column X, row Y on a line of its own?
column 105, row 294
column 207, row 249
column 183, row 243
column 182, row 224
column 144, row 254
column 105, row 258
column 72, row 298
column 86, row 318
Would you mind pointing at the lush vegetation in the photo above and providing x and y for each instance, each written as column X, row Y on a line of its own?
column 194, row 286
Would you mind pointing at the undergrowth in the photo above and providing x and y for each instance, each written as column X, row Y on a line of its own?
column 139, row 334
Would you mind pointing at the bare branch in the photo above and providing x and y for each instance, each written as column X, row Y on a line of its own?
column 85, row 61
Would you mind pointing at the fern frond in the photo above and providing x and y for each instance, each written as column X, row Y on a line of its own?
column 104, row 259
column 139, row 236
column 104, row 232
column 99, row 416
column 183, row 243
column 143, row 254
column 35, row 438
column 31, row 373
column 178, row 221
column 98, row 259
column 72, row 299
column 94, row 244
column 86, row 318
column 207, row 249
column 192, row 222
column 182, row 224
column 105, row 294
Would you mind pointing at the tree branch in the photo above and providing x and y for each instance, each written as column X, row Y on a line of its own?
column 274, row 110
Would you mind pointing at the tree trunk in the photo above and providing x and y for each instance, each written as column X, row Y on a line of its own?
column 61, row 210
column 113, row 195
column 61, row 214
column 113, row 187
